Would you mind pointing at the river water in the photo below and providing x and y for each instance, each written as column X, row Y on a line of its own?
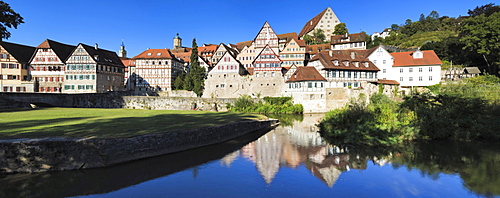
column 291, row 160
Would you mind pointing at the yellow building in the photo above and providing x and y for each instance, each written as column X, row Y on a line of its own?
column 14, row 67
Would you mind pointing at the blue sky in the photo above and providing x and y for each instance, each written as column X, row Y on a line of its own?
column 146, row 24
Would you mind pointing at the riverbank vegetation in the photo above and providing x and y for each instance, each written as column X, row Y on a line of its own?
column 464, row 111
column 106, row 123
column 271, row 105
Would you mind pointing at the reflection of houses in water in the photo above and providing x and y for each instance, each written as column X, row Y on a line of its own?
column 267, row 155
column 330, row 168
column 229, row 158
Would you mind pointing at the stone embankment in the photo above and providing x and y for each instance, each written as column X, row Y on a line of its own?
column 48, row 154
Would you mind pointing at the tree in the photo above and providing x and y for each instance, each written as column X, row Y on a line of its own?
column 8, row 18
column 487, row 10
column 482, row 34
column 340, row 29
column 318, row 36
column 179, row 81
column 195, row 78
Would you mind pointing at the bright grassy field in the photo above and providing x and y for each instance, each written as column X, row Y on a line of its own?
column 106, row 123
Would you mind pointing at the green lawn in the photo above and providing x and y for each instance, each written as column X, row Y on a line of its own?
column 106, row 123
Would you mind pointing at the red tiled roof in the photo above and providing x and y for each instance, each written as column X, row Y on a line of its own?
column 127, row 62
column 155, row 54
column 306, row 74
column 406, row 59
column 387, row 82
column 310, row 25
column 287, row 36
column 301, row 43
column 312, row 49
column 185, row 56
column 344, row 56
column 352, row 38
column 242, row 45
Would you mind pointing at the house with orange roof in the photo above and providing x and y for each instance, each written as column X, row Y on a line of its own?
column 14, row 67
column 417, row 68
column 348, row 41
column 156, row 70
column 326, row 21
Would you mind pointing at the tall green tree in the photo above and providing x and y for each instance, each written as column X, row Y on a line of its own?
column 195, row 78
column 482, row 34
column 340, row 29
column 8, row 19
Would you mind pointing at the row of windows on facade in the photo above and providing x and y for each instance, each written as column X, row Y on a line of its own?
column 410, row 70
column 292, row 62
column 49, row 79
column 292, row 56
column 346, row 63
column 4, row 56
column 348, row 45
column 11, row 89
column 420, row 78
column 267, row 65
column 350, row 74
column 47, row 68
column 49, row 89
column 79, row 87
column 298, row 85
column 82, row 77
column 156, row 63
column 12, row 77
column 49, row 59
column 10, row 66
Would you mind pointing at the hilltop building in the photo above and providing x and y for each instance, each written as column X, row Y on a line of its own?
column 326, row 21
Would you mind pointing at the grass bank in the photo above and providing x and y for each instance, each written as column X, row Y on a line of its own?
column 106, row 123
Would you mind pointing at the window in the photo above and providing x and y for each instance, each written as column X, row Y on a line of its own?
column 383, row 61
column 430, row 78
column 401, row 79
column 430, row 69
column 420, row 78
column 149, row 54
column 401, row 70
column 420, row 69
column 410, row 70
column 410, row 78
column 384, row 71
column 309, row 85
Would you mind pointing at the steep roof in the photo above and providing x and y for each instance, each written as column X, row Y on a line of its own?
column 21, row 53
column 406, row 59
column 185, row 56
column 346, row 60
column 103, row 56
column 63, row 51
column 350, row 38
column 311, row 24
column 243, row 44
column 287, row 36
column 306, row 74
column 312, row 49
column 155, row 54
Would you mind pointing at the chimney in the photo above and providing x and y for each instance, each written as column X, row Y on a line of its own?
column 96, row 46
column 353, row 55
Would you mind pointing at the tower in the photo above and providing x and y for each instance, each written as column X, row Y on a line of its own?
column 177, row 42
column 122, row 53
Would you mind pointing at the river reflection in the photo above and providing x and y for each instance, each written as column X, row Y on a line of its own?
column 291, row 160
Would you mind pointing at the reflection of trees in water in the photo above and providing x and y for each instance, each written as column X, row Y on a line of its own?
column 478, row 164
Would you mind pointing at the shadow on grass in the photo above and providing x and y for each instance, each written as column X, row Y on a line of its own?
column 120, row 127
column 105, row 180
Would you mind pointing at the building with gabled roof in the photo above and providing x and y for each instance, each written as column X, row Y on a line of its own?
column 48, row 66
column 348, row 41
column 226, row 79
column 325, row 20
column 293, row 53
column 417, row 68
column 156, row 70
column 283, row 39
column 14, row 67
column 266, row 36
column 90, row 69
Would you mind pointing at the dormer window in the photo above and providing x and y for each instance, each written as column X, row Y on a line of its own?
column 336, row 62
column 158, row 54
column 418, row 54
column 366, row 64
column 346, row 63
column 149, row 54
column 356, row 64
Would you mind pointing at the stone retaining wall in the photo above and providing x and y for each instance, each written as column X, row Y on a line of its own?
column 46, row 154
